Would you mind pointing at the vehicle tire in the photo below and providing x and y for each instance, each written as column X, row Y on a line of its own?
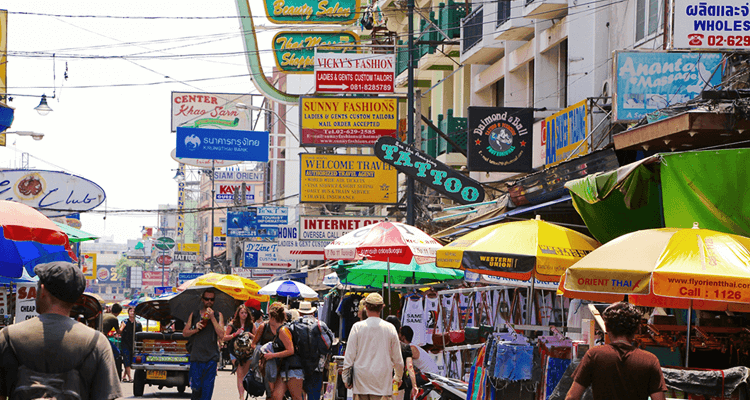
column 181, row 389
column 139, row 382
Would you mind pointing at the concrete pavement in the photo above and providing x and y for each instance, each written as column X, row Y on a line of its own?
column 225, row 389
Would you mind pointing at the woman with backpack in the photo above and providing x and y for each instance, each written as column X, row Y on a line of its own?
column 242, row 324
column 291, row 374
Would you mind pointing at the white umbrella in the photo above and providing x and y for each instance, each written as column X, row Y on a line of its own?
column 288, row 289
column 331, row 279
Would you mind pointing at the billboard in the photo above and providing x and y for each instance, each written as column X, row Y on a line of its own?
column 711, row 24
column 566, row 133
column 350, row 179
column 290, row 247
column 649, row 80
column 319, row 227
column 342, row 12
column 185, row 256
column 222, row 144
column 53, row 193
column 210, row 110
column 500, row 139
column 294, row 51
column 347, row 121
column 106, row 273
column 183, row 277
column 88, row 265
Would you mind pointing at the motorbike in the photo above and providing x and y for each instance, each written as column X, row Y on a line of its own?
column 445, row 388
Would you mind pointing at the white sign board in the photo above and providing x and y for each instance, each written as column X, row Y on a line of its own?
column 54, row 193
column 259, row 272
column 26, row 302
column 265, row 255
column 199, row 162
column 711, row 24
column 225, row 192
column 210, row 110
column 354, row 73
column 247, row 176
column 313, row 227
column 291, row 248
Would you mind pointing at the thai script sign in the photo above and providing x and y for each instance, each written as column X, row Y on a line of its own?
column 342, row 12
column 354, row 73
column 346, row 179
column 352, row 121
column 317, row 227
column 648, row 81
column 210, row 110
column 295, row 50
column 500, row 139
column 53, row 193
column 222, row 144
column 433, row 173
column 711, row 24
column 566, row 133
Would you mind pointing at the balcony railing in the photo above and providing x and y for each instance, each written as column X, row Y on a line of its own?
column 472, row 28
column 450, row 18
column 503, row 11
column 428, row 33
column 455, row 128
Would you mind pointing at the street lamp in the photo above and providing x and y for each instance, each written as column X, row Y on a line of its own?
column 43, row 108
column 34, row 135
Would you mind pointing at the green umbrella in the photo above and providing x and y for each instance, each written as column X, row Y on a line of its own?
column 373, row 273
column 76, row 235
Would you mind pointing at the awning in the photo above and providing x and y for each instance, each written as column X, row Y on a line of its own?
column 76, row 235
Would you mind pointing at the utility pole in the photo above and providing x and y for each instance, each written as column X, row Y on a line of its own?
column 410, row 112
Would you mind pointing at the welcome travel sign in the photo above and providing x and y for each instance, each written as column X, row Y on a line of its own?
column 221, row 144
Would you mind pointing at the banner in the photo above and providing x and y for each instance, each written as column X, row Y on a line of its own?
column 26, row 302
column 318, row 227
column 350, row 179
column 222, row 144
column 347, row 121
column 566, row 133
column 500, row 139
column 153, row 278
column 648, row 81
column 711, row 24
column 88, row 265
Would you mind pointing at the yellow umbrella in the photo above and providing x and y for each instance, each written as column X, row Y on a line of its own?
column 236, row 286
column 518, row 250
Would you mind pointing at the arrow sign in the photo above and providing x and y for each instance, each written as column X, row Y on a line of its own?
column 340, row 87
column 354, row 73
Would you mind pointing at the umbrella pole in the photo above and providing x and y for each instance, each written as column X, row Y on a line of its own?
column 529, row 302
column 687, row 342
column 389, row 284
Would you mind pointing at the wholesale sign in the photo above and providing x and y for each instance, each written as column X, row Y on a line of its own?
column 711, row 24
column 433, row 173
column 222, row 144
column 346, row 179
column 354, row 73
column 318, row 227
column 648, row 81
column 347, row 121
column 295, row 50
column 343, row 12
column 500, row 139
column 566, row 133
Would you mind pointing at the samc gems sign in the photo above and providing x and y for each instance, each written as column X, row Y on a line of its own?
column 295, row 51
column 341, row 12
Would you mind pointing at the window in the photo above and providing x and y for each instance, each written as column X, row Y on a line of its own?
column 647, row 14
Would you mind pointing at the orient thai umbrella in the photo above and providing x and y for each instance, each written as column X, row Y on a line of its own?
column 238, row 287
column 384, row 241
column 373, row 273
column 28, row 238
column 669, row 267
column 288, row 289
column 184, row 303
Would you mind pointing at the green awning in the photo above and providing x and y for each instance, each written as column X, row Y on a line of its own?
column 76, row 235
column 667, row 190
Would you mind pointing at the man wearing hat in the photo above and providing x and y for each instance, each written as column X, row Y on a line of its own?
column 372, row 355
column 55, row 343
column 313, row 384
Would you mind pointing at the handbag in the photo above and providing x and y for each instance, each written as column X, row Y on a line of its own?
column 471, row 333
column 456, row 336
column 440, row 339
column 485, row 330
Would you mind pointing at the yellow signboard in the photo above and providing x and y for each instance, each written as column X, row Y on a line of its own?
column 3, row 54
column 347, row 179
column 566, row 134
column 88, row 265
column 191, row 247
column 347, row 121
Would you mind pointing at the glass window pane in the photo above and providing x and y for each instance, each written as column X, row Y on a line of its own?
column 640, row 19
column 653, row 16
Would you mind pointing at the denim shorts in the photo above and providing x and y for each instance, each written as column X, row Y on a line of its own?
column 293, row 374
column 127, row 358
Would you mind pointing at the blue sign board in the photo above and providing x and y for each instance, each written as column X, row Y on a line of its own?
column 222, row 144
column 162, row 289
column 186, row 276
column 256, row 222
column 648, row 81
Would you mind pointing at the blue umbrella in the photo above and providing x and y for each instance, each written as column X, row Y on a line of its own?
column 288, row 289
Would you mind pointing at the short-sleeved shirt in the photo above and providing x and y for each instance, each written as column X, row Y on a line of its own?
column 55, row 343
column 109, row 322
column 620, row 371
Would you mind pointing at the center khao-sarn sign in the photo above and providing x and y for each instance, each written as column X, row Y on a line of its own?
column 294, row 51
column 342, row 12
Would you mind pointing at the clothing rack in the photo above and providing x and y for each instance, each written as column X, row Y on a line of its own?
column 464, row 347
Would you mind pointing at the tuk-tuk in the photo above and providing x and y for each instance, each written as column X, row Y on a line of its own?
column 89, row 309
column 159, row 358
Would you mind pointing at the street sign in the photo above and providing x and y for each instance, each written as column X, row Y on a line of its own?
column 164, row 243
column 354, row 73
column 164, row 259
column 261, row 222
column 183, row 277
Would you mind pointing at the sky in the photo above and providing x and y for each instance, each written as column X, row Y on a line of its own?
column 112, row 79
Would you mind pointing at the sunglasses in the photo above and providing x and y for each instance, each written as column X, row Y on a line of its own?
column 209, row 298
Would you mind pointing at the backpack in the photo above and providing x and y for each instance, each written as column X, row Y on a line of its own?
column 32, row 384
column 312, row 340
column 253, row 386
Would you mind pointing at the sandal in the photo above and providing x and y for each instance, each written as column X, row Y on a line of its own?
column 125, row 380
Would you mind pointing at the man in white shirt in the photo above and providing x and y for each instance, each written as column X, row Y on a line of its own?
column 372, row 355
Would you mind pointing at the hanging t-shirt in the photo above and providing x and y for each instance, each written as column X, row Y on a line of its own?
column 545, row 307
column 348, row 311
column 430, row 317
column 413, row 317
column 463, row 306
column 446, row 303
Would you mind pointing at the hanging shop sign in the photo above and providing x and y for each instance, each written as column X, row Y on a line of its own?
column 349, row 179
column 318, row 227
column 292, row 248
column 88, row 265
column 347, row 121
column 257, row 222
column 222, row 144
column 500, row 139
column 154, row 278
column 265, row 255
column 247, row 176
column 185, row 256
column 354, row 73
column 711, row 24
column 294, row 51
column 164, row 259
column 649, row 81
column 26, row 301
column 210, row 110
column 343, row 12
column 433, row 173
column 224, row 192
column 566, row 133
column 53, row 193
column 201, row 163
column 183, row 277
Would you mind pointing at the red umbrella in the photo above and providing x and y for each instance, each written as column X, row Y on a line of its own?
column 385, row 241
column 28, row 238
